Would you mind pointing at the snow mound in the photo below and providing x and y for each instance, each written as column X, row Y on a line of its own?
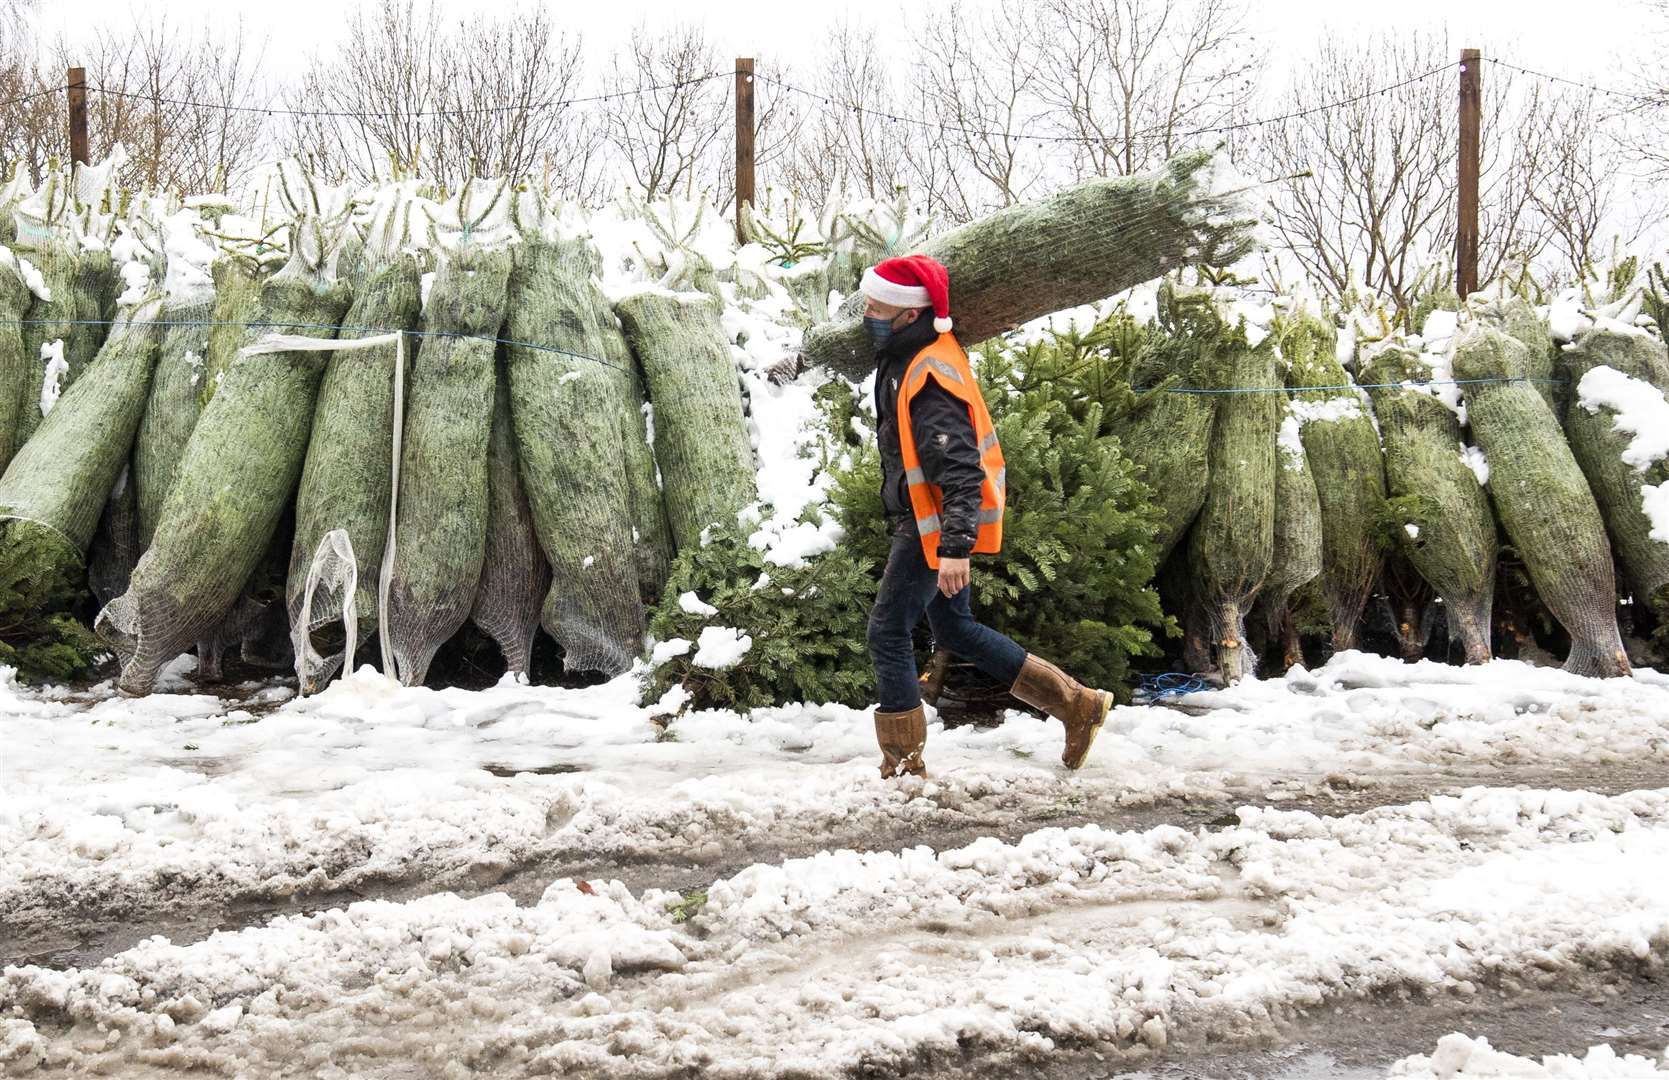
column 1458, row 1057
column 1639, row 410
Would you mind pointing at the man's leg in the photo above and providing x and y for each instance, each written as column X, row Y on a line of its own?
column 956, row 629
column 1032, row 679
column 906, row 586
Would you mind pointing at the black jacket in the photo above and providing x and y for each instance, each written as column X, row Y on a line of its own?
column 945, row 443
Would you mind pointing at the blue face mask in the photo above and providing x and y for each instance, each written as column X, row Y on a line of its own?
column 879, row 331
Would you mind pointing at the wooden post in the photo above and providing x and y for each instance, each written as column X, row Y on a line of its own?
column 1466, row 223
column 77, row 83
column 744, row 138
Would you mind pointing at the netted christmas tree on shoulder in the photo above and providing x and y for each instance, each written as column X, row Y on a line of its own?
column 1083, row 244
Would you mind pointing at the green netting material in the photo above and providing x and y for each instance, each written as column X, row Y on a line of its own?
column 1167, row 434
column 56, row 487
column 1515, row 317
column 237, row 296
column 48, row 325
column 95, row 304
column 701, row 440
column 1599, row 448
column 15, row 369
column 345, row 480
column 651, row 528
column 233, row 483
column 238, row 284
column 116, row 549
column 515, row 576
column 1344, row 456
column 1434, row 490
column 442, row 513
column 1231, row 546
column 1088, row 242
column 1542, row 499
column 580, row 437
column 1296, row 560
column 171, row 413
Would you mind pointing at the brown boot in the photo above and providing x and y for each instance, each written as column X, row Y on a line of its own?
column 902, row 736
column 1045, row 686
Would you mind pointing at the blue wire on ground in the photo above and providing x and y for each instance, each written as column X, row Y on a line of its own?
column 1170, row 684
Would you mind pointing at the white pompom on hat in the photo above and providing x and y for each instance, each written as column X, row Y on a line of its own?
column 912, row 281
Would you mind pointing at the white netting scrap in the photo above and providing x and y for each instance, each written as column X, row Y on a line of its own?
column 333, row 574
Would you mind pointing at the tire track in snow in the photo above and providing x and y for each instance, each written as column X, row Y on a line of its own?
column 183, row 812
column 898, row 963
column 80, row 929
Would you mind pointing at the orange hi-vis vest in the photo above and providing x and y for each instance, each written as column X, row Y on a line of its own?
column 945, row 362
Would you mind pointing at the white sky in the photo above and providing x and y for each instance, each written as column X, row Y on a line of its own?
column 1565, row 37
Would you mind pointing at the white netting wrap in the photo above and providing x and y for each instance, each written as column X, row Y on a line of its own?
column 332, row 577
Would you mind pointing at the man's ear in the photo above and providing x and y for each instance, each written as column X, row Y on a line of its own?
column 911, row 315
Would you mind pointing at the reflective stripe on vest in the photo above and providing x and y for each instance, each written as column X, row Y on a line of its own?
column 946, row 362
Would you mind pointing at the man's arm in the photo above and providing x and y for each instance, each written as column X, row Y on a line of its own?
column 949, row 453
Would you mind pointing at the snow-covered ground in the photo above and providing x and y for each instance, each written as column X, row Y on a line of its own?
column 857, row 956
column 185, row 792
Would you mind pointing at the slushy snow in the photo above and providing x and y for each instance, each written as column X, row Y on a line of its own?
column 815, row 964
column 815, row 967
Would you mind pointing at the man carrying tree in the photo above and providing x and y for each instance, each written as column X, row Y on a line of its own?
column 942, row 484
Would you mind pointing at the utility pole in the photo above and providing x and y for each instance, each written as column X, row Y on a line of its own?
column 1466, row 224
column 77, row 85
column 744, row 139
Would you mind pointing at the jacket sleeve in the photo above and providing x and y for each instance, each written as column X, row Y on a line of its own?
column 949, row 453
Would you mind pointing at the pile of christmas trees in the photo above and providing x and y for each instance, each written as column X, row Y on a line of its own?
column 291, row 423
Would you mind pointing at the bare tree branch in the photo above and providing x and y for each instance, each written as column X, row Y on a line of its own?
column 983, row 84
column 844, row 146
column 447, row 101
column 670, row 117
column 1377, row 208
column 1133, row 77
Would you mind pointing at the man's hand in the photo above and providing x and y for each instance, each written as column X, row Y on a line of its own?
column 953, row 576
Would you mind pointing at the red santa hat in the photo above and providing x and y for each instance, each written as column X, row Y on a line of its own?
column 912, row 281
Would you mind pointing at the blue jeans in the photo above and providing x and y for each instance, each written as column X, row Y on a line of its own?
column 909, row 588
